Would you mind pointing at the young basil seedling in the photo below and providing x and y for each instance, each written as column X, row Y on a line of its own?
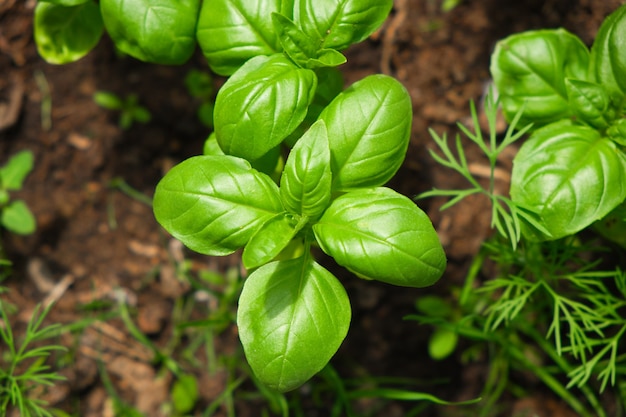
column 294, row 314
column 572, row 169
column 15, row 216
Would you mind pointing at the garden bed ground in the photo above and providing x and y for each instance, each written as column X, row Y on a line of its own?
column 95, row 244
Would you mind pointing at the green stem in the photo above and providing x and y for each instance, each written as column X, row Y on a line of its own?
column 554, row 384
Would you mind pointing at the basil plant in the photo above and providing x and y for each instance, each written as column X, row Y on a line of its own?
column 293, row 313
column 572, row 169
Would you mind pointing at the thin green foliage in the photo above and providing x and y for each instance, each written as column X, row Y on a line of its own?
column 23, row 365
column 506, row 216
column 552, row 309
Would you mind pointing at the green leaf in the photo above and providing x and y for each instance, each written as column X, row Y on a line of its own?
column 13, row 173
column 230, row 32
column 295, row 43
column 214, row 204
column 269, row 240
column 292, row 317
column 17, row 218
column 158, row 31
column 329, row 85
column 66, row 34
column 608, row 63
column 327, row 58
column 184, row 394
column 302, row 49
column 339, row 24
column 617, row 132
column 261, row 104
column 570, row 176
column 211, row 147
column 590, row 102
column 379, row 234
column 306, row 181
column 530, row 68
column 108, row 100
column 369, row 127
column 442, row 343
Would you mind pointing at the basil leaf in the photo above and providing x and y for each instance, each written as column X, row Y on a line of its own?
column 339, row 24
column 590, row 102
column 369, row 127
column 326, row 58
column 211, row 147
column 12, row 174
column 271, row 96
column 295, row 43
column 292, row 317
column 570, row 176
column 329, row 85
column 158, row 31
column 379, row 234
column 269, row 240
column 302, row 49
column 66, row 34
column 617, row 132
column 529, row 69
column 230, row 32
column 214, row 204
column 306, row 180
column 608, row 63
column 17, row 218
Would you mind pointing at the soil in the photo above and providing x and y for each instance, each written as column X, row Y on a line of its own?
column 96, row 245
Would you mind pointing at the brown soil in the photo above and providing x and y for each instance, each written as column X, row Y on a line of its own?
column 96, row 245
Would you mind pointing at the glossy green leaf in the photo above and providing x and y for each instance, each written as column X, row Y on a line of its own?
column 66, row 34
column 369, row 127
column 261, row 104
column 570, row 176
column 327, row 58
column 17, row 218
column 214, row 204
column 382, row 235
column 211, row 147
column 13, row 173
column 270, row 240
column 306, row 181
column 295, row 43
column 230, row 32
column 590, row 102
column 292, row 317
column 608, row 62
column 617, row 132
column 302, row 49
column 158, row 31
column 329, row 85
column 338, row 24
column 529, row 69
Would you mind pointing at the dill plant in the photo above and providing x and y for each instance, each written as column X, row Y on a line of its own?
column 23, row 365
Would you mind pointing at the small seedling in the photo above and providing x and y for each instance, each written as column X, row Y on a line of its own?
column 15, row 216
column 130, row 109
column 22, row 364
